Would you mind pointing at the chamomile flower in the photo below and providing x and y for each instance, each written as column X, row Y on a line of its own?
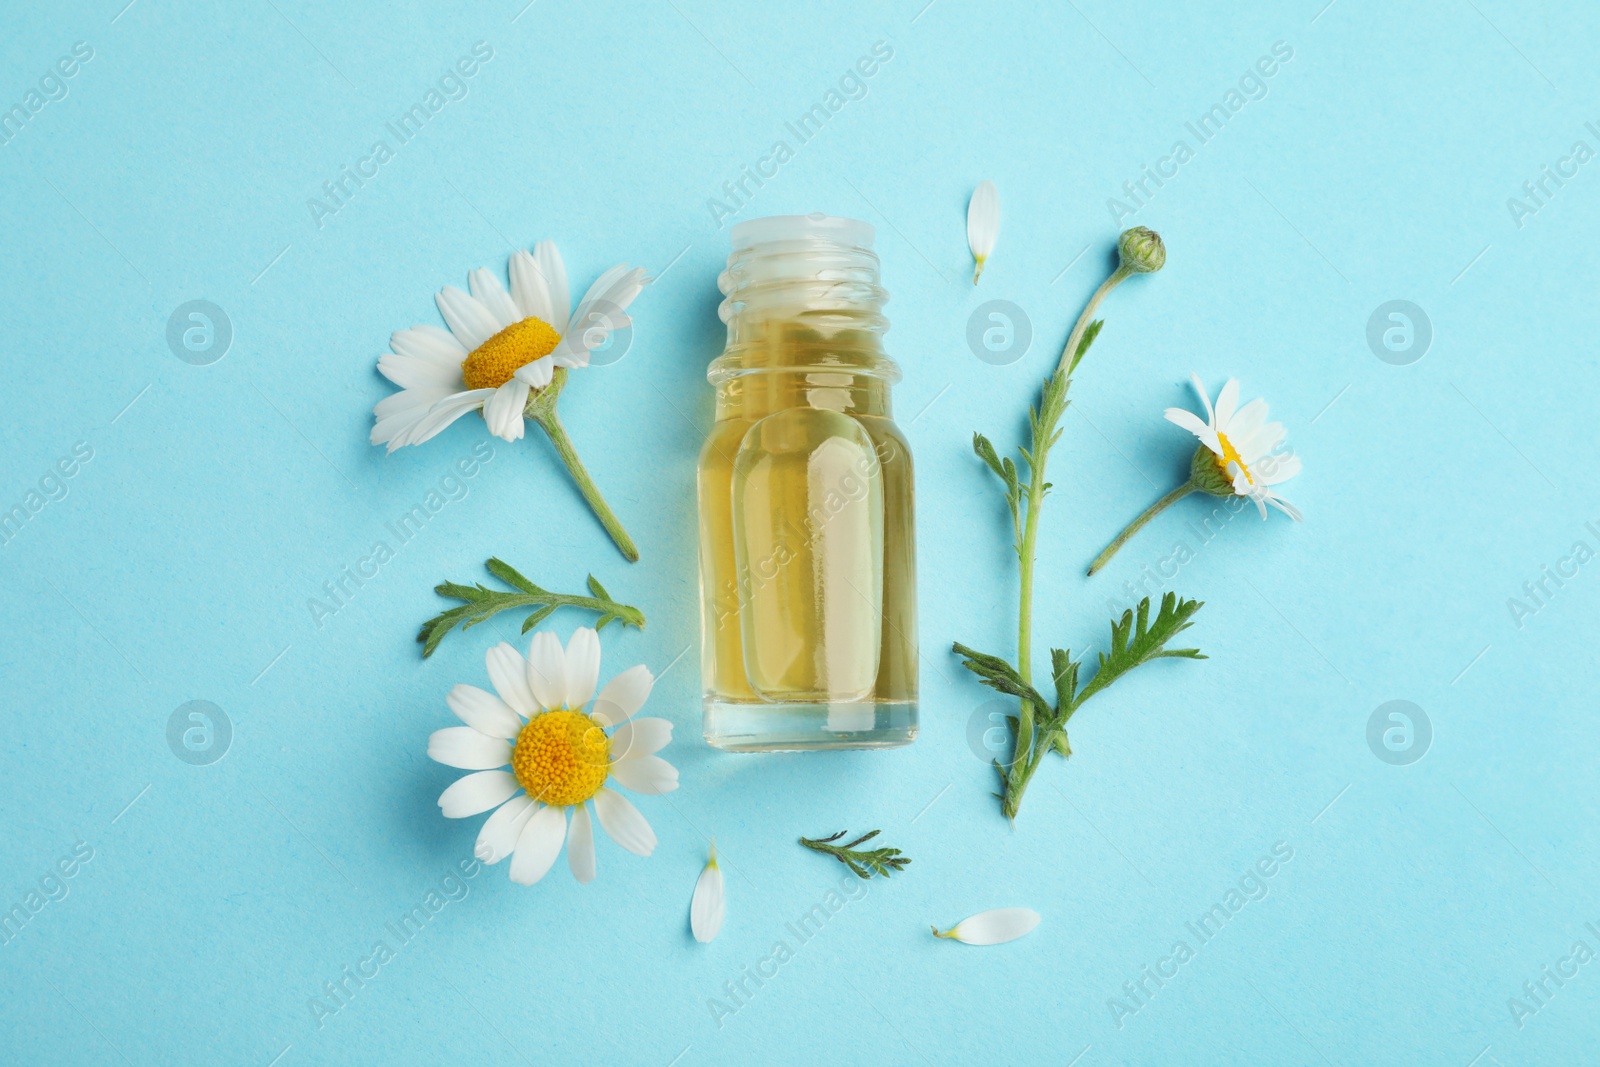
column 1238, row 456
column 1242, row 443
column 537, row 756
column 506, row 354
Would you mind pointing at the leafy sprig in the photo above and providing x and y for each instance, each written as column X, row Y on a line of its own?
column 1039, row 725
column 864, row 862
column 1136, row 639
column 482, row 603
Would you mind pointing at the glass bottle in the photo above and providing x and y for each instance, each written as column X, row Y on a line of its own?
column 807, row 544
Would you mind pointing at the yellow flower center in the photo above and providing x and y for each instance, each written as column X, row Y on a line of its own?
column 492, row 363
column 562, row 757
column 1231, row 455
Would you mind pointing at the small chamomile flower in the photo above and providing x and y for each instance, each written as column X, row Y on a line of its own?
column 537, row 756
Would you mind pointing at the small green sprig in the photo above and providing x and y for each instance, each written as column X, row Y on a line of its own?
column 864, row 862
column 1136, row 639
column 483, row 603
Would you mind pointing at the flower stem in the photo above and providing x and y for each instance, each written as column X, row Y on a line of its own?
column 1138, row 524
column 1024, row 760
column 542, row 410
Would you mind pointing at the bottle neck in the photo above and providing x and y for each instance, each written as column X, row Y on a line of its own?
column 804, row 311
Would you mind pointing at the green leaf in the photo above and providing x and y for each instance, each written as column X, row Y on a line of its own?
column 1136, row 639
column 1065, row 672
column 999, row 675
column 480, row 603
column 510, row 575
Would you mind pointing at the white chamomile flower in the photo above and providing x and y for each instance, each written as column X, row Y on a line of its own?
column 1237, row 457
column 560, row 758
column 500, row 346
column 992, row 927
column 1243, row 444
column 709, row 904
column 983, row 224
column 506, row 354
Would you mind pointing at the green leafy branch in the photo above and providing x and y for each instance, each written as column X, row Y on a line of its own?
column 483, row 603
column 864, row 862
column 1136, row 639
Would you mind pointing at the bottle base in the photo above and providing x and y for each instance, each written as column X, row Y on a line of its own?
column 802, row 727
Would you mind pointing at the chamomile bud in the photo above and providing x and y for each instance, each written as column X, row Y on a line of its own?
column 1141, row 250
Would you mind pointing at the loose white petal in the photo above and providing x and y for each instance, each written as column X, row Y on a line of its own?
column 983, row 224
column 992, row 927
column 547, row 670
column 650, row 775
column 583, row 666
column 580, row 845
column 709, row 905
column 509, row 673
column 477, row 793
column 640, row 737
column 623, row 696
column 466, row 749
column 484, row 712
column 623, row 823
column 500, row 831
column 538, row 845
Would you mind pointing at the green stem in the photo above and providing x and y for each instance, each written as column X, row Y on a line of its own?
column 1138, row 524
column 542, row 410
column 1024, row 758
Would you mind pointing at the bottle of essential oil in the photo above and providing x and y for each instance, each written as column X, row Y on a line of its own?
column 807, row 545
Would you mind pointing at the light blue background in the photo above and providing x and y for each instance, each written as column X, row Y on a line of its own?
column 219, row 499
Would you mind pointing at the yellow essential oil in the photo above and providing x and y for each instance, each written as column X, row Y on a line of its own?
column 807, row 541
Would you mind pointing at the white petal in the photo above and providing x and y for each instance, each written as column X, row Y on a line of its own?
column 623, row 696
column 503, row 411
column 640, row 737
column 1246, row 421
column 530, row 289
column 484, row 712
column 554, row 272
column 547, row 670
column 993, row 927
column 1227, row 402
column 469, row 320
column 1200, row 388
column 443, row 413
column 537, row 373
column 509, row 673
column 709, row 905
column 538, row 845
column 1284, row 506
column 430, row 343
column 583, row 666
column 411, row 372
column 623, row 823
column 487, row 290
column 499, row 834
column 1255, row 446
column 464, row 748
column 580, row 845
column 650, row 775
column 601, row 311
column 1191, row 422
column 1275, row 469
column 983, row 223
column 477, row 793
column 397, row 415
